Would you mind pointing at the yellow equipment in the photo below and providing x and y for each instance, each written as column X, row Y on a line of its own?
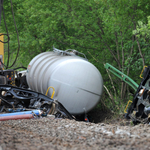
column 1, row 50
column 125, row 111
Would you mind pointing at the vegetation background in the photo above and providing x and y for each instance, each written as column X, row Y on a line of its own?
column 106, row 31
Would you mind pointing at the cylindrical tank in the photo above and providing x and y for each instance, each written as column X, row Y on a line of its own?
column 78, row 83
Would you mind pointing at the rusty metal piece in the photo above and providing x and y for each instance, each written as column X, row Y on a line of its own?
column 15, row 117
column 149, row 117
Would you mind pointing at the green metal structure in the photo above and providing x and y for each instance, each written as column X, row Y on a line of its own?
column 122, row 76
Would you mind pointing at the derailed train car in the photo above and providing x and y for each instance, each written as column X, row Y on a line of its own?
column 77, row 83
column 139, row 110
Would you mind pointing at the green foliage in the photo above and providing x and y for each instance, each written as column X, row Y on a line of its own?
column 102, row 29
column 142, row 30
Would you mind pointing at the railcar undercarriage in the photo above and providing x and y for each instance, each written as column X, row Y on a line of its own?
column 139, row 110
column 13, row 99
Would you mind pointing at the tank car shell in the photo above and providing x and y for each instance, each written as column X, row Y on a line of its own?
column 78, row 83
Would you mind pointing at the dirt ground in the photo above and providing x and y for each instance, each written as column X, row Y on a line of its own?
column 108, row 132
column 105, row 116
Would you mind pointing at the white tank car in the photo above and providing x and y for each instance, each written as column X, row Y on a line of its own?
column 78, row 83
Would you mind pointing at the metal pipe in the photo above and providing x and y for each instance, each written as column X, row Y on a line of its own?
column 122, row 76
column 36, row 112
column 15, row 117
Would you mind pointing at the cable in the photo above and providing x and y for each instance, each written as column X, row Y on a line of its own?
column 7, row 66
column 2, row 63
column 17, row 35
column 19, row 68
column 1, row 3
column 6, row 35
column 14, row 68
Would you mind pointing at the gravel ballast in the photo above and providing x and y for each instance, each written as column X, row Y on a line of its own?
column 64, row 134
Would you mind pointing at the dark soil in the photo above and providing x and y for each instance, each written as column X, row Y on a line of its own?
column 97, row 115
column 106, row 116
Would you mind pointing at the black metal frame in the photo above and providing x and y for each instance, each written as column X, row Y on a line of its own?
column 139, row 102
column 14, row 97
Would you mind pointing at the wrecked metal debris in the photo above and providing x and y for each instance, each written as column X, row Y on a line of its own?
column 15, row 99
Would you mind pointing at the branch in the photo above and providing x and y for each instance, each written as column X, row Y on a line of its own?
column 111, row 97
column 93, row 57
column 140, row 51
column 117, row 45
column 111, row 82
column 122, row 52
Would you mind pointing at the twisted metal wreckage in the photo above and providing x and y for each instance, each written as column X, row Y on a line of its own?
column 29, row 104
column 73, row 87
column 73, row 82
column 17, row 94
column 23, row 103
column 139, row 110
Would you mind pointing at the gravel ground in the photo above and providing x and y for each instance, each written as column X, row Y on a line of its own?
column 64, row 134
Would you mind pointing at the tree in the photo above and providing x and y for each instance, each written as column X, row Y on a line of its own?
column 102, row 29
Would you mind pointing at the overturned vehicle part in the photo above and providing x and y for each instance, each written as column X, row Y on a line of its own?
column 139, row 110
column 18, row 99
column 78, row 83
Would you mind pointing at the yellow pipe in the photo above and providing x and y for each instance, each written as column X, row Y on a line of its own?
column 125, row 111
column 142, row 71
column 2, row 46
column 52, row 93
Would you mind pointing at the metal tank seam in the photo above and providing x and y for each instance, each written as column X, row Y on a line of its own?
column 32, row 63
column 46, row 60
